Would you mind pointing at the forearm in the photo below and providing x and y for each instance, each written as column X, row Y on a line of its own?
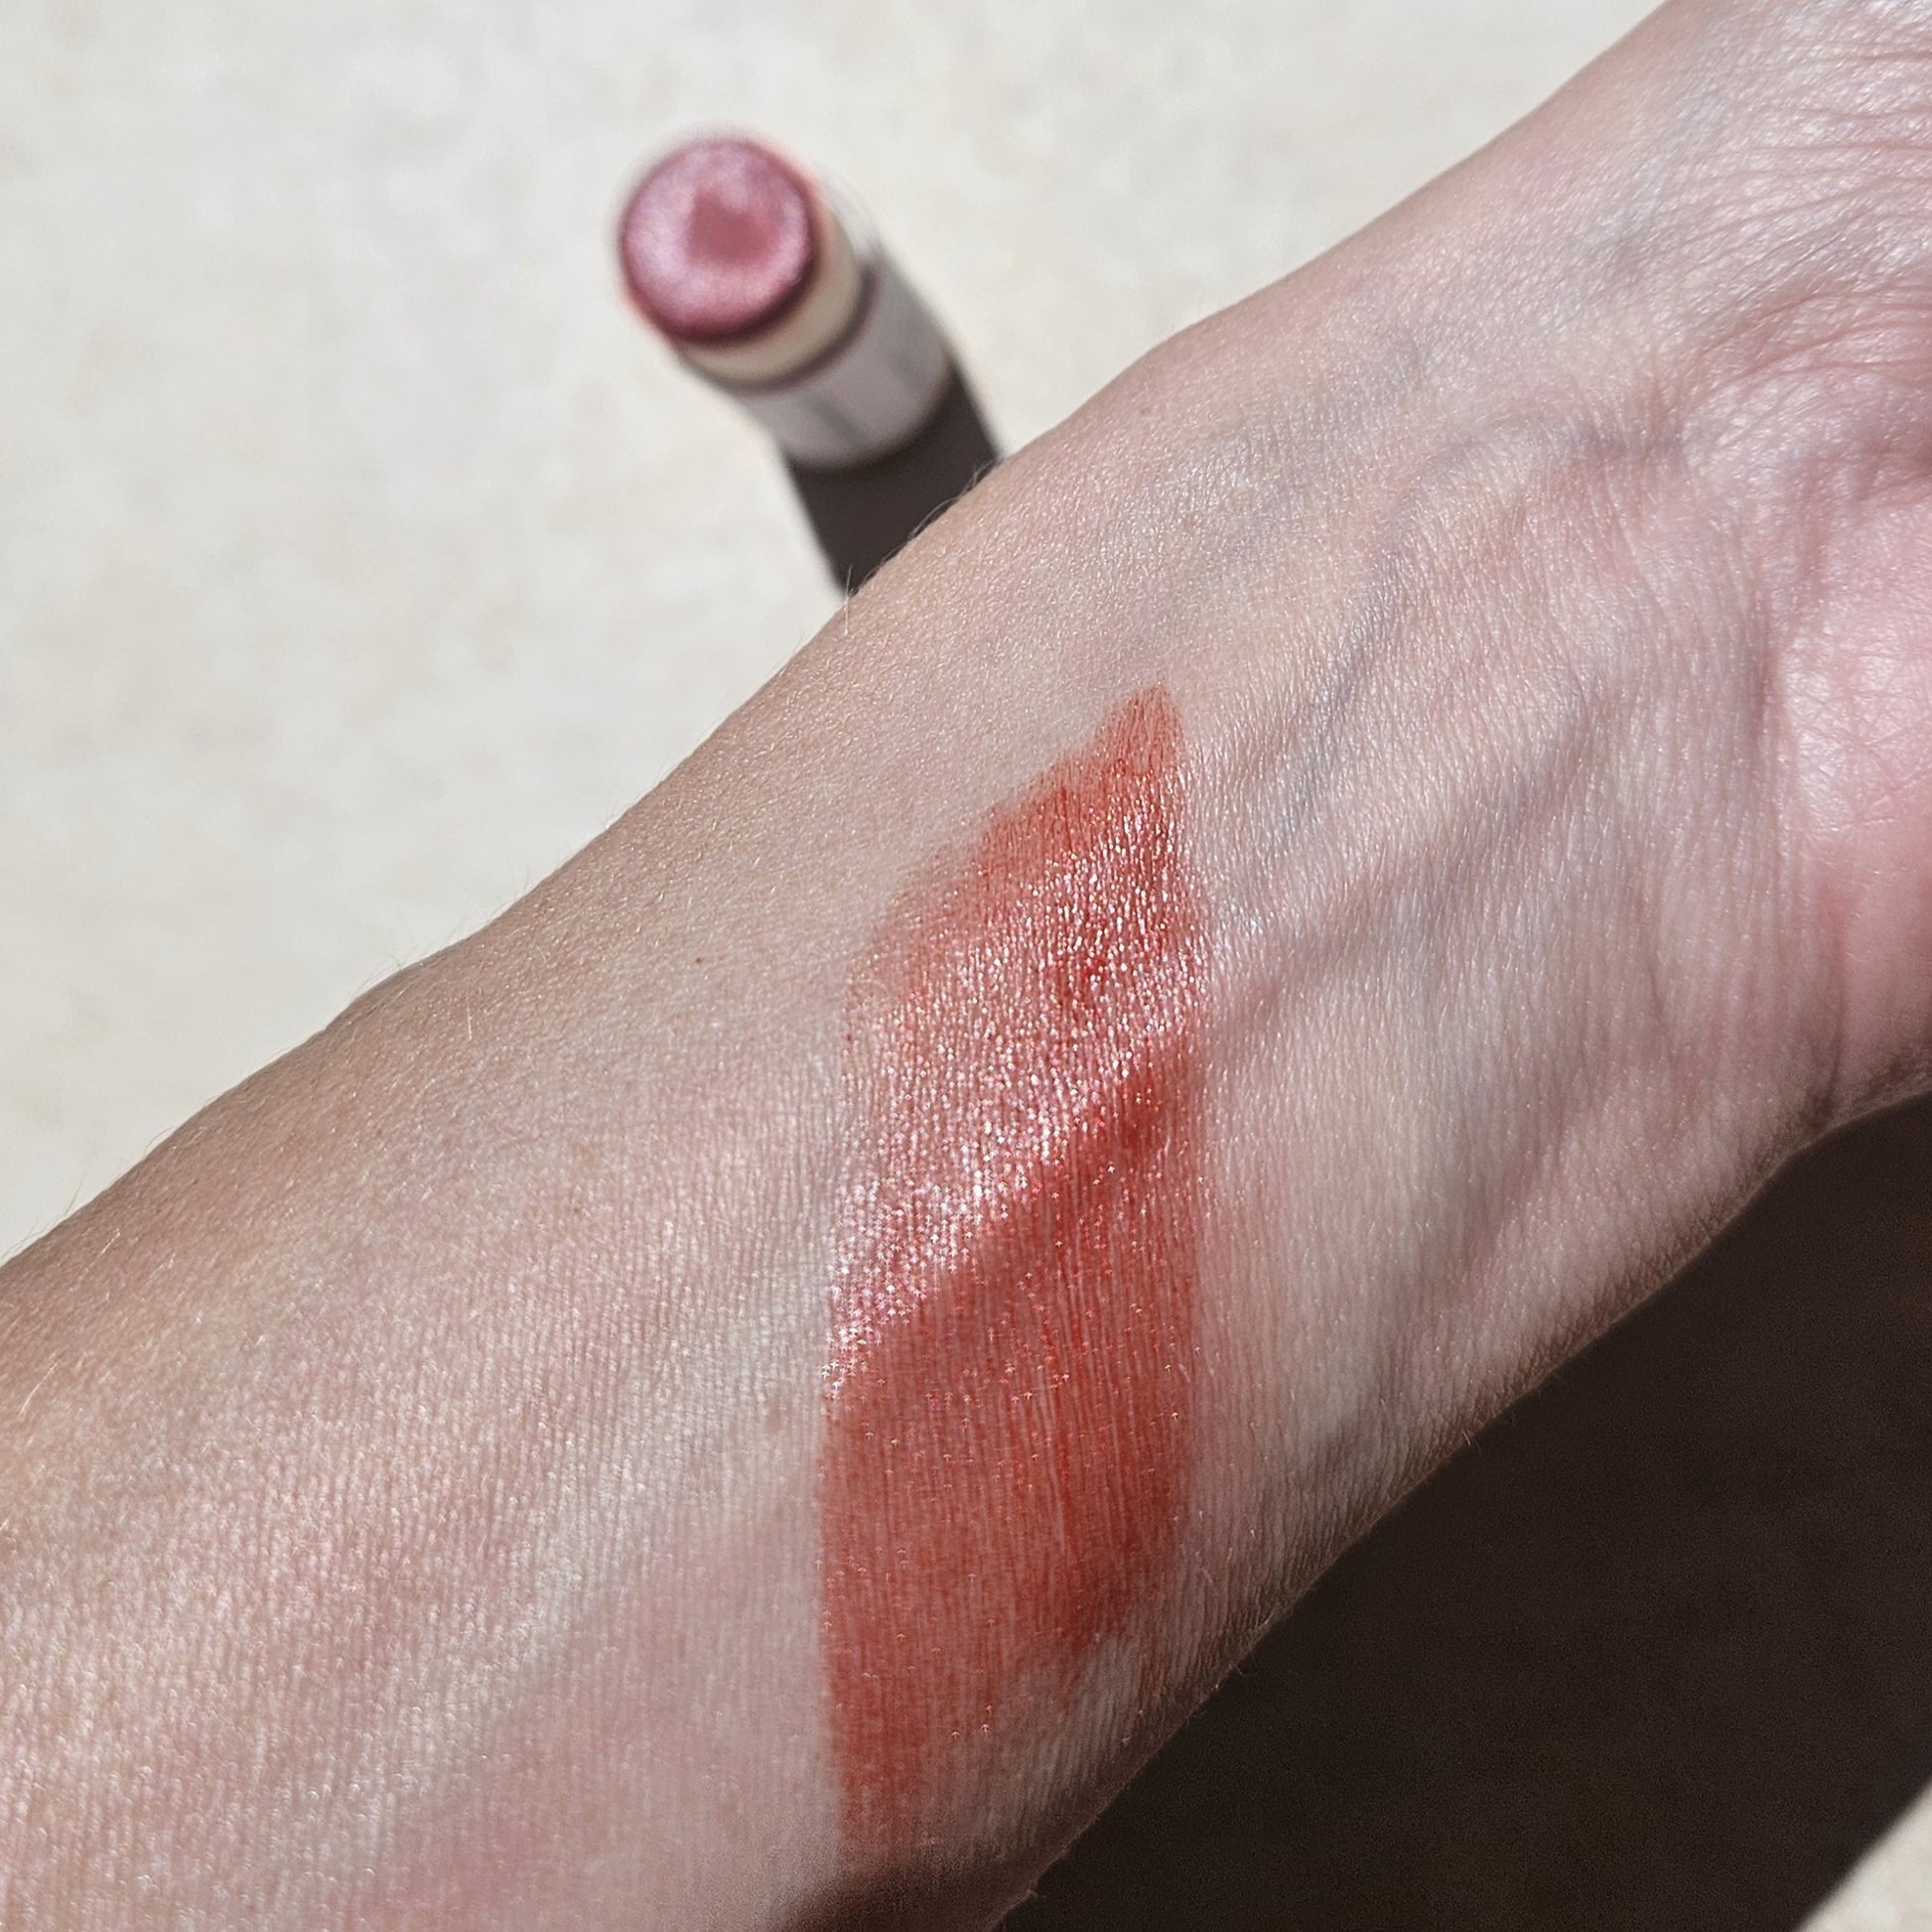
column 772, row 1373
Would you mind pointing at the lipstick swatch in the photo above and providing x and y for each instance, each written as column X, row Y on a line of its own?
column 1008, row 1401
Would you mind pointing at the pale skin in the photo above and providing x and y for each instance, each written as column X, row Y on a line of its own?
column 407, row 1474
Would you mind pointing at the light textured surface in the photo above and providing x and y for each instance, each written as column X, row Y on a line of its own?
column 359, row 555
column 1892, row 1891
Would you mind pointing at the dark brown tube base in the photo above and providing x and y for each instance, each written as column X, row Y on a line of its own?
column 864, row 515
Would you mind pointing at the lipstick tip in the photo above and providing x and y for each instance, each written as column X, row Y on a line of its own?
column 718, row 239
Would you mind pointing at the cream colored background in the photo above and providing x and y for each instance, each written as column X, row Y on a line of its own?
column 359, row 555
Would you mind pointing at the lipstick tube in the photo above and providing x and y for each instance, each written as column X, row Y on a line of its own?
column 776, row 291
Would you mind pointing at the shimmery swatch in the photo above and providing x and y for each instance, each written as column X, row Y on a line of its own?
column 1008, row 1403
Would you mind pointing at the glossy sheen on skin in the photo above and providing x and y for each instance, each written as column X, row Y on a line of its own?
column 1007, row 1405
column 719, row 241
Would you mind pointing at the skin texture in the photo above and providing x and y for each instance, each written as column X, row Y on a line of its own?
column 414, row 1477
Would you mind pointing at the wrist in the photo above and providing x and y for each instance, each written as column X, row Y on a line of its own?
column 1520, row 984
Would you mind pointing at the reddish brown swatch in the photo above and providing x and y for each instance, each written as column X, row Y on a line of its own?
column 1009, row 1419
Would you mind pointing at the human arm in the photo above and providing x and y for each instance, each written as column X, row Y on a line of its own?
column 417, row 1505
